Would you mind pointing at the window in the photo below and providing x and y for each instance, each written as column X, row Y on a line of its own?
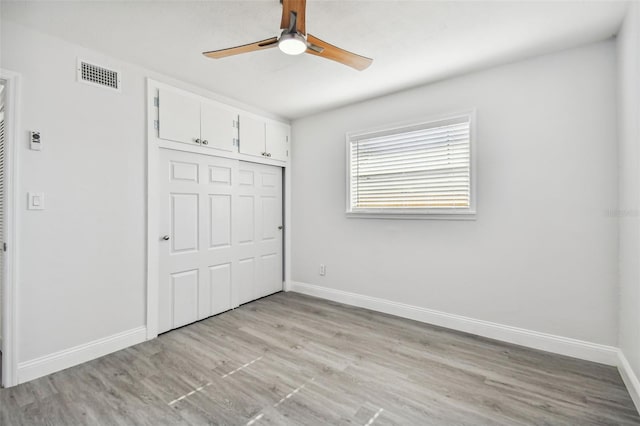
column 414, row 171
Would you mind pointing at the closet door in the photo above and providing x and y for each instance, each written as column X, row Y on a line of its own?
column 220, row 253
column 220, row 236
column 196, row 248
column 259, row 231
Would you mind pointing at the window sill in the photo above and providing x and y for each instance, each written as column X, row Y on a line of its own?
column 422, row 215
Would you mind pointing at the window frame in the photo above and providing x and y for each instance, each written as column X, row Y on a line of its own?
column 453, row 213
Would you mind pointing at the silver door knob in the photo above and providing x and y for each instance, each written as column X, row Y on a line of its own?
column 166, row 238
column 205, row 142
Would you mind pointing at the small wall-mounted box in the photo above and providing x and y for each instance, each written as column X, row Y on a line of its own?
column 35, row 201
column 35, row 143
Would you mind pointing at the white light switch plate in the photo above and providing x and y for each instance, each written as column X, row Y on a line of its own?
column 36, row 201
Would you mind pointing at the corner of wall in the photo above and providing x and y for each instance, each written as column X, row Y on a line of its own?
column 628, row 51
column 629, row 378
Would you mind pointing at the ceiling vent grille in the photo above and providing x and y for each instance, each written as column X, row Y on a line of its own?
column 97, row 75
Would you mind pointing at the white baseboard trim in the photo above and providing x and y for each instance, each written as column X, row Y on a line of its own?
column 66, row 358
column 629, row 378
column 533, row 339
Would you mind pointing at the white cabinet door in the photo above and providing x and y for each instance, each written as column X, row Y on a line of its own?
column 277, row 141
column 259, row 230
column 220, row 236
column 216, row 127
column 179, row 117
column 252, row 135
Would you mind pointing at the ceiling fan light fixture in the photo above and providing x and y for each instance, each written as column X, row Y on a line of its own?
column 292, row 44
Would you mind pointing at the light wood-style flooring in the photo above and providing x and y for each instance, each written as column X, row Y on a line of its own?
column 290, row 359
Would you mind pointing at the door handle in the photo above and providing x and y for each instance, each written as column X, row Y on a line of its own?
column 166, row 238
column 280, row 227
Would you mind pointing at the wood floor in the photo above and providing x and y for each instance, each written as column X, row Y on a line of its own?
column 290, row 359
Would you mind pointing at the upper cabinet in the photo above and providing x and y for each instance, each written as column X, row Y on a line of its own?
column 251, row 134
column 277, row 141
column 263, row 138
column 218, row 127
column 198, row 121
column 191, row 120
column 179, row 117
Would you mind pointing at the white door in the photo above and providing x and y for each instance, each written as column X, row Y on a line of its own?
column 179, row 117
column 217, row 127
column 259, row 231
column 196, row 248
column 206, row 227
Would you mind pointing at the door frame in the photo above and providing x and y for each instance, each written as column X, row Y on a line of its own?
column 154, row 144
column 12, row 81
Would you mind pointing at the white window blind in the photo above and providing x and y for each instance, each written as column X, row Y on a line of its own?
column 416, row 169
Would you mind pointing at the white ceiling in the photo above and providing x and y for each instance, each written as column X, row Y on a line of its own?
column 412, row 42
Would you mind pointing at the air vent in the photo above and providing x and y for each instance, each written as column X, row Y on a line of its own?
column 97, row 75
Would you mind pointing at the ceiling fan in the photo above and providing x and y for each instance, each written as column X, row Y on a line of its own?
column 294, row 40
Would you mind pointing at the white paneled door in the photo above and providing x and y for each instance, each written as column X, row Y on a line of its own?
column 220, row 235
column 259, row 222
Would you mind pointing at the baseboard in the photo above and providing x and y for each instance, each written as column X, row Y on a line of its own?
column 533, row 339
column 57, row 361
column 630, row 378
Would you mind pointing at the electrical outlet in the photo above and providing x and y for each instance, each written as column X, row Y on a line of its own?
column 323, row 270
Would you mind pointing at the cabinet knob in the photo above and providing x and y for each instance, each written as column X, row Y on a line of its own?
column 166, row 238
column 268, row 154
column 196, row 140
column 205, row 142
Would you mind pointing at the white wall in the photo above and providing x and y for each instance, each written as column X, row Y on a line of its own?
column 629, row 181
column 542, row 254
column 81, row 261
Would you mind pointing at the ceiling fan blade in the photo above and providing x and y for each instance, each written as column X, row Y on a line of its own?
column 297, row 6
column 325, row 50
column 245, row 48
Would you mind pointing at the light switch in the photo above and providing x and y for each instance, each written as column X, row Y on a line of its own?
column 36, row 201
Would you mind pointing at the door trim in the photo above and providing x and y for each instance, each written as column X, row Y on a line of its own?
column 154, row 144
column 9, row 293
